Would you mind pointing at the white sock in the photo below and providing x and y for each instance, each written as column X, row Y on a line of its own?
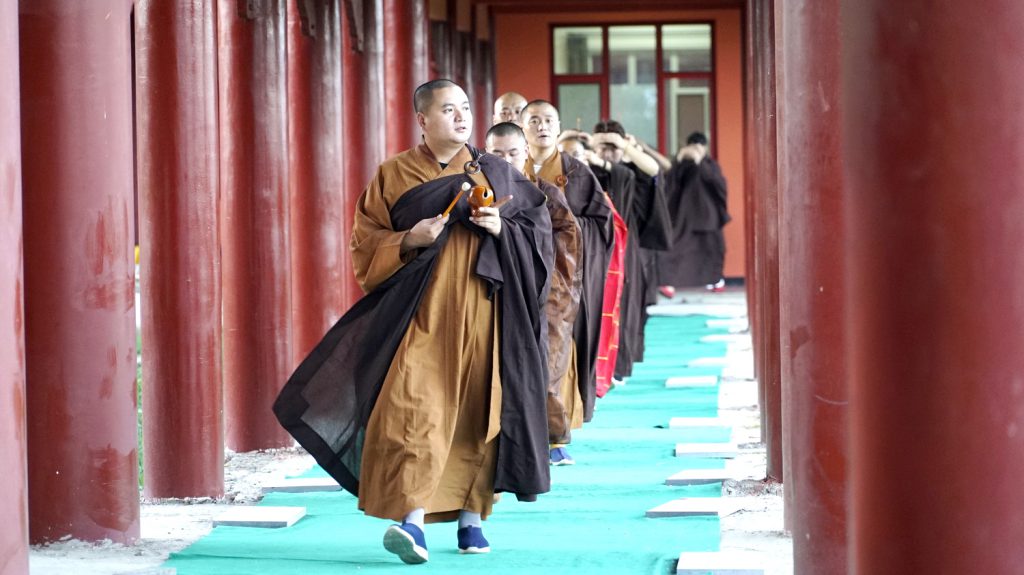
column 468, row 519
column 416, row 517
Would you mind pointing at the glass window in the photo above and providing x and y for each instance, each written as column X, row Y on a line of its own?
column 579, row 106
column 686, row 47
column 632, row 79
column 687, row 110
column 578, row 50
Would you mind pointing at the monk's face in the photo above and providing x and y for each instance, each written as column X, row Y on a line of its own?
column 510, row 148
column 541, row 124
column 448, row 118
column 508, row 108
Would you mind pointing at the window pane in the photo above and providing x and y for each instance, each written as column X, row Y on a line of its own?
column 687, row 110
column 686, row 47
column 633, row 80
column 579, row 106
column 578, row 50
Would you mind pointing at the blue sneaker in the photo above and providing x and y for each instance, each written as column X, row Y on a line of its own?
column 471, row 541
column 559, row 456
column 406, row 541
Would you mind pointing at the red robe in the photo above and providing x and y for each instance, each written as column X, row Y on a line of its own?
column 608, row 348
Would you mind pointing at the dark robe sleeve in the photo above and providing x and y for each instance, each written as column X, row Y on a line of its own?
column 589, row 204
column 653, row 217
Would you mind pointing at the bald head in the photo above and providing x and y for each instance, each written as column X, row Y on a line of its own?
column 542, row 126
column 507, row 107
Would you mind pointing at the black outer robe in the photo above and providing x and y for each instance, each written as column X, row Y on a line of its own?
column 587, row 202
column 640, row 201
column 696, row 197
column 327, row 402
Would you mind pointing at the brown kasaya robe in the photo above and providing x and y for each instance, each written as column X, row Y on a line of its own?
column 407, row 398
column 429, row 442
column 589, row 206
column 565, row 407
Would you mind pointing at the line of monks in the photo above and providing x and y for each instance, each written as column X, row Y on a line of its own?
column 492, row 319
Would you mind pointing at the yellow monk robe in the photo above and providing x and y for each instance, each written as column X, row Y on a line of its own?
column 430, row 441
column 590, row 207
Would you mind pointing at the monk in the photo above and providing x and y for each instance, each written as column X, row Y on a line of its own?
column 408, row 400
column 633, row 179
column 564, row 406
column 593, row 212
column 696, row 194
column 507, row 108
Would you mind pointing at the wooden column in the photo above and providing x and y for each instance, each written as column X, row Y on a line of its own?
column 405, row 68
column 254, row 219
column 932, row 95
column 811, row 290
column 14, row 497
column 76, row 122
column 178, row 178
column 363, row 109
column 766, row 241
column 319, row 246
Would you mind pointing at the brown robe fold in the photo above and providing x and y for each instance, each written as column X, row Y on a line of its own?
column 562, row 307
column 590, row 207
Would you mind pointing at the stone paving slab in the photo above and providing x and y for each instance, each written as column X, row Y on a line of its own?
column 260, row 516
column 301, row 485
column 701, row 476
column 717, row 563
column 697, row 507
column 691, row 381
column 711, row 450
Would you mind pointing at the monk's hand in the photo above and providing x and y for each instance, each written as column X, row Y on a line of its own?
column 424, row 233
column 488, row 219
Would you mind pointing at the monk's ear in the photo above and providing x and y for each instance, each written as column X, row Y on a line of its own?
column 421, row 120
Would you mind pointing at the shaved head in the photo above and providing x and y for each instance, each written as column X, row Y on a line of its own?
column 423, row 97
column 508, row 106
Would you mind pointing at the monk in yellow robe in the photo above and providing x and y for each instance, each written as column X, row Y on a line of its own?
column 565, row 407
column 408, row 401
column 591, row 209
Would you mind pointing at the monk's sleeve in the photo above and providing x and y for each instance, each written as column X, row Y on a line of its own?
column 652, row 207
column 376, row 247
column 595, row 217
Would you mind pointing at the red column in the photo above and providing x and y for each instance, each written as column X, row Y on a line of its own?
column 363, row 99
column 932, row 136
column 752, row 146
column 14, row 497
column 319, row 246
column 811, row 282
column 76, row 121
column 405, row 67
column 767, row 241
column 176, row 90
column 254, row 221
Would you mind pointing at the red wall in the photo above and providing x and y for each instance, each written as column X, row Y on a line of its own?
column 524, row 65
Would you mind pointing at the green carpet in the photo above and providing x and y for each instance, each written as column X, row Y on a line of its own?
column 592, row 521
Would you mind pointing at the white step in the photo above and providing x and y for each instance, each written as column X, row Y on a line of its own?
column 712, row 450
column 301, row 485
column 718, row 563
column 737, row 338
column 691, row 381
column 698, row 507
column 260, row 516
column 701, row 477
